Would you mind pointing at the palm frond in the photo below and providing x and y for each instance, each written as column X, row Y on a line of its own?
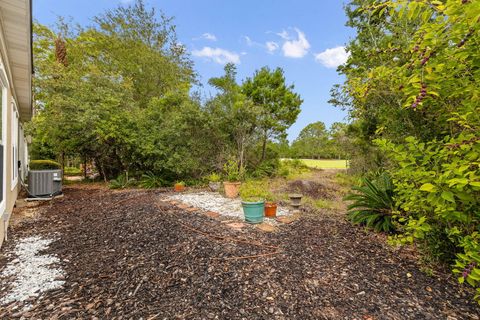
column 372, row 203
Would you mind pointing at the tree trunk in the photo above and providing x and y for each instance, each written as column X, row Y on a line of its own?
column 63, row 165
column 264, row 147
column 85, row 167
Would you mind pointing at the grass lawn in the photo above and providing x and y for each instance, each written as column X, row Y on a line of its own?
column 325, row 164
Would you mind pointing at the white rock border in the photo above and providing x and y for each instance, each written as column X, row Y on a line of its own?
column 34, row 273
column 212, row 201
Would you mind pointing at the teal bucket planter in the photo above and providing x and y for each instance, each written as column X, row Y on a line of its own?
column 254, row 211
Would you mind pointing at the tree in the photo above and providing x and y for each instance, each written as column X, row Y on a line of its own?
column 92, row 84
column 279, row 105
column 312, row 141
column 236, row 114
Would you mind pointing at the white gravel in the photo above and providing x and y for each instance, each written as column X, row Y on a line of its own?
column 33, row 273
column 212, row 201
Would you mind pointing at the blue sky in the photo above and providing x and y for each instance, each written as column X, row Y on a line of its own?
column 304, row 37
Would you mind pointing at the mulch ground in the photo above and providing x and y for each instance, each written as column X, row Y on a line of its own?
column 128, row 255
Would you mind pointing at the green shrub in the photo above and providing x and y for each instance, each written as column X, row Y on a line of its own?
column 151, row 181
column 233, row 171
column 254, row 190
column 72, row 171
column 437, row 186
column 44, row 165
column 287, row 168
column 122, row 182
column 373, row 204
column 214, row 177
column 267, row 168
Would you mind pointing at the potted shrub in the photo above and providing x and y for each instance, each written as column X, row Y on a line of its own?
column 179, row 186
column 253, row 202
column 233, row 175
column 214, row 181
column 270, row 206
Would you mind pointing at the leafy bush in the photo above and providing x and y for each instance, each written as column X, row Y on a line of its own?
column 267, row 168
column 180, row 183
column 44, row 165
column 121, row 182
column 151, row 181
column 373, row 204
column 214, row 177
column 438, row 192
column 254, row 190
column 72, row 171
column 233, row 172
column 289, row 167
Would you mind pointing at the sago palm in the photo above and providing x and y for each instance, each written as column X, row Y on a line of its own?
column 373, row 203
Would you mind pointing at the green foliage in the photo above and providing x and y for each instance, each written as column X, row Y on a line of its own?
column 214, row 177
column 413, row 83
column 150, row 181
column 254, row 190
column 316, row 142
column 268, row 168
column 72, row 171
column 122, row 182
column 372, row 204
column 180, row 183
column 438, row 192
column 279, row 105
column 233, row 172
column 114, row 69
column 44, row 165
column 291, row 167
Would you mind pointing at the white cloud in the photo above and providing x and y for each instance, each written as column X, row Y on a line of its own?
column 217, row 55
column 295, row 47
column 248, row 40
column 206, row 36
column 271, row 46
column 284, row 35
column 209, row 36
column 333, row 57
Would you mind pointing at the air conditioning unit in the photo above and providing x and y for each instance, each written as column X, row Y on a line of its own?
column 44, row 183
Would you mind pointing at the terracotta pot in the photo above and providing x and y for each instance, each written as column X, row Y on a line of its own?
column 231, row 189
column 270, row 209
column 179, row 188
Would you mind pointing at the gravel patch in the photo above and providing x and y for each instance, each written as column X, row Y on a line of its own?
column 32, row 272
column 212, row 201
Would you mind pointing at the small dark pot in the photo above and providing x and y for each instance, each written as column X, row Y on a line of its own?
column 214, row 186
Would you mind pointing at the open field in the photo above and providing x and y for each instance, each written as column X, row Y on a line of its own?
column 326, row 164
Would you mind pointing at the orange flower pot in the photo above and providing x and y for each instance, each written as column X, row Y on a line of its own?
column 231, row 189
column 179, row 188
column 270, row 209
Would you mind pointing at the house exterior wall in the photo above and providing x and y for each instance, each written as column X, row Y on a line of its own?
column 11, row 187
column 12, row 139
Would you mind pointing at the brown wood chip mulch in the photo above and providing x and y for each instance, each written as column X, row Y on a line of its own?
column 129, row 256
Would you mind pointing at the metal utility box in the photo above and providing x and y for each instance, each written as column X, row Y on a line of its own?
column 44, row 183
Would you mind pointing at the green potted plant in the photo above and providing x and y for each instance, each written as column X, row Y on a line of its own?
column 179, row 186
column 233, row 175
column 214, row 181
column 253, row 201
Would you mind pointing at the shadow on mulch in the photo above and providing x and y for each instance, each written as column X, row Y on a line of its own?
column 128, row 255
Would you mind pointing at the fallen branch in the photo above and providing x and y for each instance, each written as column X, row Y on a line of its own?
column 250, row 257
column 254, row 243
